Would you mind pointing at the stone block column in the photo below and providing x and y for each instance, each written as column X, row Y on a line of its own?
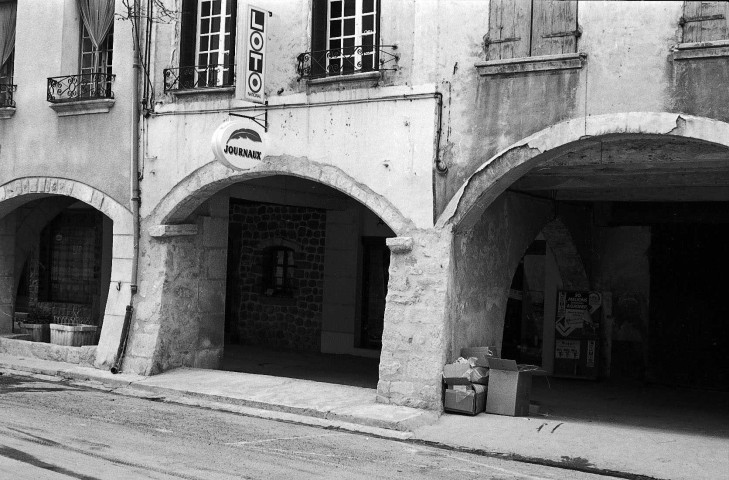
column 7, row 272
column 414, row 340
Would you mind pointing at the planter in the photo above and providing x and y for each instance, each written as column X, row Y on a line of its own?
column 39, row 332
column 73, row 335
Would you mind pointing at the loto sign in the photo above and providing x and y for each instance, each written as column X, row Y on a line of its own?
column 255, row 54
column 238, row 146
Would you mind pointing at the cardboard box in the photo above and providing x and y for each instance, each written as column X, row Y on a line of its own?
column 470, row 402
column 456, row 373
column 509, row 389
column 481, row 354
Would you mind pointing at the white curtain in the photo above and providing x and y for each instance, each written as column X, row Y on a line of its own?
column 7, row 30
column 98, row 16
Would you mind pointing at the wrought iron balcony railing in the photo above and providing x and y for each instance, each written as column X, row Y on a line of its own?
column 199, row 77
column 347, row 61
column 87, row 86
column 6, row 94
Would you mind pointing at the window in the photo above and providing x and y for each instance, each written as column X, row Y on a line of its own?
column 278, row 271
column 524, row 28
column 7, row 48
column 345, row 36
column 705, row 21
column 95, row 65
column 207, row 49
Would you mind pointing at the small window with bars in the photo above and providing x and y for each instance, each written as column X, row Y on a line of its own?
column 526, row 28
column 279, row 271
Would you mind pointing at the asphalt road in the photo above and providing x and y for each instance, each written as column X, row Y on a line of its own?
column 59, row 430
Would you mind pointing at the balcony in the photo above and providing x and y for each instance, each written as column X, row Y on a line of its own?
column 348, row 61
column 208, row 78
column 81, row 94
column 7, row 104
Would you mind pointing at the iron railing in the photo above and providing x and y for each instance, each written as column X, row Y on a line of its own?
column 347, row 61
column 87, row 86
column 6, row 94
column 199, row 77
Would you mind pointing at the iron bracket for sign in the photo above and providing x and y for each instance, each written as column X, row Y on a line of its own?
column 487, row 41
column 683, row 20
column 573, row 33
column 261, row 119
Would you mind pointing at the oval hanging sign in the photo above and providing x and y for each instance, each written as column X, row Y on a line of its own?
column 237, row 145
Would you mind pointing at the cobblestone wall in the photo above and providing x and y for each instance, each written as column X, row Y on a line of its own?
column 260, row 318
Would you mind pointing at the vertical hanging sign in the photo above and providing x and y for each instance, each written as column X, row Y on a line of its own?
column 255, row 54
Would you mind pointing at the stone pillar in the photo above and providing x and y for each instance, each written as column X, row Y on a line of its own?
column 7, row 272
column 414, row 340
column 180, row 308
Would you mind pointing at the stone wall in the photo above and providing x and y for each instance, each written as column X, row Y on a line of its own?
column 261, row 318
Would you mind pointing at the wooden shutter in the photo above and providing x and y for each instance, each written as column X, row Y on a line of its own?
column 554, row 27
column 188, row 32
column 318, row 37
column 509, row 26
column 705, row 21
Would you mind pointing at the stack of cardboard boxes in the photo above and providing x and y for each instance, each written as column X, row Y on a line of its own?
column 480, row 380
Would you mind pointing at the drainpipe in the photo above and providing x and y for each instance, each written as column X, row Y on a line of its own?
column 135, row 200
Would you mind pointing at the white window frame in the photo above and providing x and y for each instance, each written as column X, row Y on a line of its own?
column 202, row 70
column 357, row 36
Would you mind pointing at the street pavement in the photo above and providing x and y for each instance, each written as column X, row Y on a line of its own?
column 58, row 429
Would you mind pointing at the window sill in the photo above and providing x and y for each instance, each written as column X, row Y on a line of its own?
column 6, row 112
column 565, row 61
column 375, row 76
column 690, row 51
column 83, row 107
column 201, row 91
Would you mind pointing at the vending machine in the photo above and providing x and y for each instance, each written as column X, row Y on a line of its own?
column 577, row 334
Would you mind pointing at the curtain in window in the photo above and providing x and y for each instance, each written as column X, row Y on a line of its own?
column 98, row 16
column 7, row 30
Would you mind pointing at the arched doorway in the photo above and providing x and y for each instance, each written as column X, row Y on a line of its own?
column 65, row 245
column 263, row 269
column 644, row 208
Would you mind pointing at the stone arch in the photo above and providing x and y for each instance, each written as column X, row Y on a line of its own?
column 495, row 175
column 23, row 190
column 201, row 184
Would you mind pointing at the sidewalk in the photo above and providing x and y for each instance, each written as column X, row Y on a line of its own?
column 612, row 446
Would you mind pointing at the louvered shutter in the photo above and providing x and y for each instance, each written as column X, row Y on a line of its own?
column 509, row 29
column 554, row 28
column 705, row 21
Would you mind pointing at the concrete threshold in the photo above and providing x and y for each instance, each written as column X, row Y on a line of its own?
column 276, row 398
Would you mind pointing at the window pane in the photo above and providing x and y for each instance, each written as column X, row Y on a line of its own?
column 216, row 7
column 368, row 6
column 215, row 27
column 368, row 40
column 229, row 6
column 368, row 23
column 205, row 9
column 204, row 26
column 349, row 27
column 335, row 10
column 204, row 43
column 202, row 59
column 349, row 8
column 214, row 42
column 335, row 29
column 213, row 60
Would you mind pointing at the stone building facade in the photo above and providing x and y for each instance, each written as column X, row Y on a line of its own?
column 570, row 144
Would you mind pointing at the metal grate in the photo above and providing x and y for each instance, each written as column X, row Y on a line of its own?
column 6, row 94
column 198, row 77
column 347, row 61
column 87, row 86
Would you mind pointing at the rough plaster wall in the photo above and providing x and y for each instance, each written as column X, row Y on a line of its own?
column 414, row 337
column 484, row 261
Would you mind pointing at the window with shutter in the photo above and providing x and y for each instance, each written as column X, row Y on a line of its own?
column 524, row 28
column 705, row 21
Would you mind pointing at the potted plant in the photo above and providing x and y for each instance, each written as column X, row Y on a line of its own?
column 37, row 325
column 69, row 330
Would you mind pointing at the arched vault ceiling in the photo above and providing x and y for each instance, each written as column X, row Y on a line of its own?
column 632, row 168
